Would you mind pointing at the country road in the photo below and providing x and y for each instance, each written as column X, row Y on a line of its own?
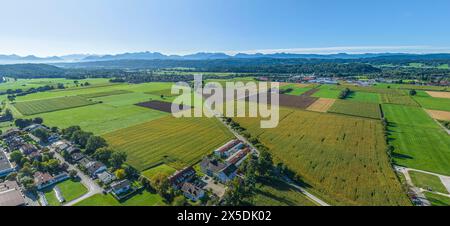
column 285, row 178
column 93, row 188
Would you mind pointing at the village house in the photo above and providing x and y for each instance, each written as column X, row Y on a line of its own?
column 61, row 145
column 10, row 194
column 120, row 187
column 181, row 176
column 106, row 177
column 27, row 149
column 5, row 165
column 10, row 133
column 77, row 156
column 192, row 192
column 95, row 167
column 43, row 180
column 13, row 142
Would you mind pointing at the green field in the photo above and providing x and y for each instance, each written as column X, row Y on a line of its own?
column 175, row 142
column 328, row 91
column 355, row 108
column 144, row 198
column 432, row 103
column 398, row 99
column 296, row 91
column 419, row 142
column 437, row 200
column 49, row 105
column 343, row 159
column 26, row 84
column 364, row 97
column 101, row 118
column 278, row 193
column 163, row 168
column 427, row 181
column 70, row 190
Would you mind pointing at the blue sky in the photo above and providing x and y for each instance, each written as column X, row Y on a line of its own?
column 56, row 27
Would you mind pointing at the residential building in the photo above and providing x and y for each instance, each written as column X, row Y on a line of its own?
column 27, row 149
column 43, row 180
column 227, row 174
column 211, row 166
column 120, row 187
column 95, row 167
column 192, row 192
column 77, row 156
column 10, row 194
column 5, row 165
column 106, row 177
column 181, row 176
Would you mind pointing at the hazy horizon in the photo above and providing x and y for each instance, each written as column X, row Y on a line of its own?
column 56, row 28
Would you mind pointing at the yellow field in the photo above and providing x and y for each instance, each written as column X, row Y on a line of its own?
column 439, row 94
column 342, row 158
column 175, row 142
column 321, row 105
column 439, row 115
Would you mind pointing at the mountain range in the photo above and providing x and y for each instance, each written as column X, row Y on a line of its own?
column 15, row 59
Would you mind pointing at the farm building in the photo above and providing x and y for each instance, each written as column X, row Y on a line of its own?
column 10, row 194
column 214, row 168
column 192, row 192
column 228, row 149
column 238, row 157
column 181, row 176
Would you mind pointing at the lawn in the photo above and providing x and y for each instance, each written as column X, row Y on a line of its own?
column 49, row 105
column 432, row 103
column 364, row 97
column 427, row 181
column 70, row 190
column 296, row 90
column 437, row 200
column 419, row 142
column 100, row 118
column 398, row 99
column 355, row 108
column 163, row 168
column 177, row 142
column 328, row 91
column 144, row 198
column 279, row 193
column 343, row 159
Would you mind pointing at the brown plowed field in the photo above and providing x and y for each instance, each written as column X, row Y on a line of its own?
column 161, row 106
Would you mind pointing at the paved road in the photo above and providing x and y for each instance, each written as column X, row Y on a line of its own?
column 444, row 179
column 286, row 179
column 418, row 193
column 93, row 188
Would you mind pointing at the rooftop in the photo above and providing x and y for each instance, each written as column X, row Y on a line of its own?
column 4, row 162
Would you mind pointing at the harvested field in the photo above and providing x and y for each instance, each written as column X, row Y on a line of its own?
column 321, row 105
column 161, row 106
column 439, row 94
column 362, row 109
column 439, row 115
column 49, row 105
column 103, row 94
